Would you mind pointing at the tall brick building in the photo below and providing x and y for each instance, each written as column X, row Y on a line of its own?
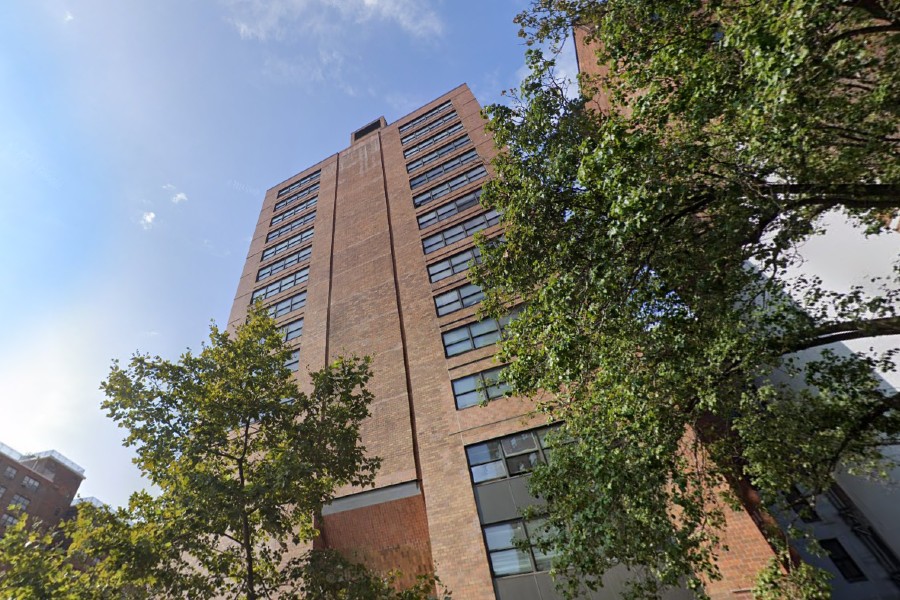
column 40, row 485
column 366, row 252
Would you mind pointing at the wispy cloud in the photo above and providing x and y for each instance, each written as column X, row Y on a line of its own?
column 268, row 19
column 179, row 198
column 169, row 187
column 147, row 219
column 69, row 17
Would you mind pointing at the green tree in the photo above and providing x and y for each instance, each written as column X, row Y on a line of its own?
column 654, row 249
column 241, row 458
column 33, row 564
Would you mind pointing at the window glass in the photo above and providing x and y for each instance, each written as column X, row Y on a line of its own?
column 488, row 471
column 482, row 453
column 521, row 442
column 510, row 562
column 504, row 535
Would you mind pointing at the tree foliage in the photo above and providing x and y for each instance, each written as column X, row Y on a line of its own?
column 242, row 459
column 654, row 248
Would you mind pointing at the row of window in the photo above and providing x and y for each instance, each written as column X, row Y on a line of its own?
column 434, row 125
column 287, row 244
column 292, row 226
column 458, row 232
column 20, row 502
column 427, row 116
column 288, row 305
column 460, row 142
column 285, row 263
column 471, row 336
column 276, row 287
column 443, row 168
column 478, row 387
column 294, row 211
column 298, row 196
column 292, row 330
column 436, row 138
column 441, row 190
column 290, row 188
column 454, row 264
column 458, row 299
column 509, row 456
column 451, row 209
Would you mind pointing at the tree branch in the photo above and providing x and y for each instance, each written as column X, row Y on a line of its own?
column 861, row 31
column 850, row 330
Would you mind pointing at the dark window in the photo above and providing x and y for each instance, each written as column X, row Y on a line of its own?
column 428, row 128
column 288, row 305
column 460, row 231
column 8, row 520
column 292, row 226
column 446, row 211
column 293, row 363
column 10, row 472
column 510, row 541
column 292, row 330
column 281, row 285
column 285, row 263
column 474, row 389
column 443, row 168
column 842, row 560
column 287, row 244
column 2, row 490
column 20, row 502
column 471, row 336
column 300, row 183
column 457, row 299
column 294, row 211
column 435, row 139
column 454, row 264
column 30, row 483
column 429, row 158
column 803, row 504
column 431, row 113
column 439, row 191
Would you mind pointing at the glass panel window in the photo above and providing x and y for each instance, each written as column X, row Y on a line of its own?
column 460, row 231
column 295, row 198
column 488, row 471
column 294, row 211
column 441, row 108
column 521, row 442
column 522, row 463
column 510, row 562
column 292, row 226
column 285, row 263
column 433, row 126
column 288, row 305
column 287, row 244
column 10, row 472
column 842, row 560
column 482, row 453
column 433, row 140
column 439, row 191
column 30, row 483
column 8, row 520
column 290, row 188
column 453, row 264
column 443, row 168
column 476, row 388
column 293, row 363
column 19, row 502
column 504, row 535
column 2, row 490
column 281, row 285
column 434, row 155
column 457, row 299
column 292, row 330
column 446, row 211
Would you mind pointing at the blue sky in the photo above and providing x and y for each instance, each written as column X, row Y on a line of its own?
column 136, row 142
